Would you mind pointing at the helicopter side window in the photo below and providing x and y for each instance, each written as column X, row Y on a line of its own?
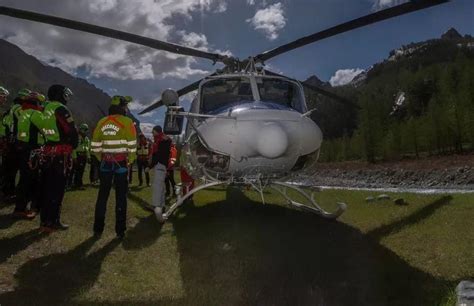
column 280, row 92
column 219, row 94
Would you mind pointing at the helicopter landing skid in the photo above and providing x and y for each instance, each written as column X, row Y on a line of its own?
column 181, row 199
column 282, row 188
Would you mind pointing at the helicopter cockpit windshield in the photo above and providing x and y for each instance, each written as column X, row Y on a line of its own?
column 280, row 92
column 223, row 93
column 220, row 94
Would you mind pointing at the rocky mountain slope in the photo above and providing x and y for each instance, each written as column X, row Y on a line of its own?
column 18, row 70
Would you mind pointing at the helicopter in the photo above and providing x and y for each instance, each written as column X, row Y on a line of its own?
column 247, row 126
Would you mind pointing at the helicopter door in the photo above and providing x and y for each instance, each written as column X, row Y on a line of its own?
column 173, row 124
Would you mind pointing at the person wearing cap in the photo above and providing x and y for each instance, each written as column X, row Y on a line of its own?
column 61, row 139
column 28, row 139
column 11, row 157
column 81, row 156
column 114, row 143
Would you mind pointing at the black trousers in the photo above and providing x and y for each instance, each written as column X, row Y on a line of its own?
column 169, row 182
column 28, row 185
column 141, row 165
column 78, row 170
column 130, row 174
column 94, row 170
column 116, row 174
column 53, row 183
column 11, row 167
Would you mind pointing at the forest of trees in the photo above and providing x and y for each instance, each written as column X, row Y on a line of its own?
column 436, row 117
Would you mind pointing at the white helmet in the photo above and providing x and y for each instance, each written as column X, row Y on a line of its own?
column 4, row 92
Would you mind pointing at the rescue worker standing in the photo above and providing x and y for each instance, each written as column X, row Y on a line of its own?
column 3, row 139
column 159, row 161
column 61, row 139
column 29, row 139
column 81, row 155
column 114, row 143
column 143, row 155
column 10, row 121
column 169, row 181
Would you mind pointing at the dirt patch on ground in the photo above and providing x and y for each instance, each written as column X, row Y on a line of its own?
column 455, row 171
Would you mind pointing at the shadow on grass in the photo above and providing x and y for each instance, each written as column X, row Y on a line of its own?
column 143, row 234
column 414, row 218
column 6, row 221
column 146, row 231
column 56, row 279
column 11, row 246
column 239, row 252
column 140, row 202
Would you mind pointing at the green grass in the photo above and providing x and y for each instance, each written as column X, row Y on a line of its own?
column 226, row 248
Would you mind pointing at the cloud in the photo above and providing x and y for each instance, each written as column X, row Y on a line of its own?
column 269, row 20
column 146, row 128
column 382, row 4
column 344, row 76
column 103, row 57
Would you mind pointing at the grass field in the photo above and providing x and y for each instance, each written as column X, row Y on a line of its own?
column 226, row 248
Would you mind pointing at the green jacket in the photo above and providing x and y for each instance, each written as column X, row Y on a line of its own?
column 10, row 120
column 115, row 134
column 3, row 129
column 84, row 147
column 29, row 125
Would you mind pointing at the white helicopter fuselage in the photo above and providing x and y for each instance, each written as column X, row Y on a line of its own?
column 253, row 140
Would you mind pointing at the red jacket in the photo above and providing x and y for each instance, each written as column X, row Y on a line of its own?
column 173, row 156
column 161, row 150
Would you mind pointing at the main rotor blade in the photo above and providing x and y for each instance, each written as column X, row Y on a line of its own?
column 319, row 90
column 331, row 95
column 185, row 90
column 107, row 32
column 412, row 6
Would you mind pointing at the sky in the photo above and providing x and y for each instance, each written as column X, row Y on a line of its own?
column 237, row 27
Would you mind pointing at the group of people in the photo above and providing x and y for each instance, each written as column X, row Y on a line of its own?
column 40, row 140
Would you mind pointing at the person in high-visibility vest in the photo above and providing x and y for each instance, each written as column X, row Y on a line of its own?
column 114, row 143
column 81, row 156
column 61, row 139
column 29, row 138
column 169, row 181
column 11, row 158
column 143, row 155
column 4, row 93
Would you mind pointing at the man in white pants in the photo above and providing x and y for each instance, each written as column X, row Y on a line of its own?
column 159, row 161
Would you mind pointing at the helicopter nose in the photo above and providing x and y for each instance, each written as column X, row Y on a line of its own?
column 272, row 141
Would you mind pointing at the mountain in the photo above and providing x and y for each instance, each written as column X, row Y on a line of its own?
column 20, row 70
column 451, row 34
column 419, row 100
column 315, row 81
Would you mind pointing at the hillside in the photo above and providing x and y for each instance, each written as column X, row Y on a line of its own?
column 420, row 100
column 18, row 70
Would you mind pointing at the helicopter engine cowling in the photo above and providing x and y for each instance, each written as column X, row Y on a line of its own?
column 258, row 141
